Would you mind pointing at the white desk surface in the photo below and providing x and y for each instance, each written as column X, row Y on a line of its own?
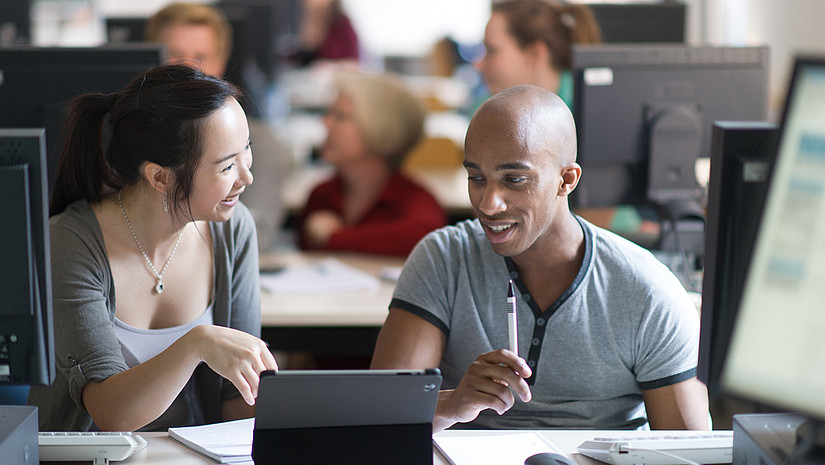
column 358, row 308
column 163, row 450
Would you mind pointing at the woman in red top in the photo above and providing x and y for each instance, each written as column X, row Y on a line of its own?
column 369, row 206
column 326, row 34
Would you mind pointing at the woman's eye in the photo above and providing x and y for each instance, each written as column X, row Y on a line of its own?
column 228, row 168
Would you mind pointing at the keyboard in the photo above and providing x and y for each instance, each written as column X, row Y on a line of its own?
column 97, row 447
column 673, row 448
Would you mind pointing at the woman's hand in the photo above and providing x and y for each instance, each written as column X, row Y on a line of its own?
column 235, row 355
column 319, row 226
column 490, row 382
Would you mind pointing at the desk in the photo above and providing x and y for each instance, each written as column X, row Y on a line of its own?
column 163, row 450
column 340, row 324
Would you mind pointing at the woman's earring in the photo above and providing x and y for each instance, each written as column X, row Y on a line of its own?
column 165, row 204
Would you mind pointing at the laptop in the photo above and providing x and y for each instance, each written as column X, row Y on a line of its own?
column 345, row 416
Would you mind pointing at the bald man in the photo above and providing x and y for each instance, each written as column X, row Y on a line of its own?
column 608, row 337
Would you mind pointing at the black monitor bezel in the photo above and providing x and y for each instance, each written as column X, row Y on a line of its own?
column 39, row 332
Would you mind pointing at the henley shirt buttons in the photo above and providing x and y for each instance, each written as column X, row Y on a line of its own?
column 531, row 363
column 526, row 297
column 540, row 321
column 536, row 341
column 514, row 275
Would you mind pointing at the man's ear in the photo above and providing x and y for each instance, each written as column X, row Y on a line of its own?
column 159, row 177
column 570, row 175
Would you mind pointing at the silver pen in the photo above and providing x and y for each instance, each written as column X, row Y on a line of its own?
column 512, row 320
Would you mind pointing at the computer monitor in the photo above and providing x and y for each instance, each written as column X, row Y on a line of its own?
column 643, row 117
column 741, row 157
column 644, row 114
column 26, row 333
column 777, row 352
column 659, row 22
column 38, row 82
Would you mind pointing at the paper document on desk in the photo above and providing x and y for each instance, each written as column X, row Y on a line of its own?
column 227, row 442
column 492, row 449
column 329, row 275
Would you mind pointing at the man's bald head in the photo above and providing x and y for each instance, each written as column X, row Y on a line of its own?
column 535, row 117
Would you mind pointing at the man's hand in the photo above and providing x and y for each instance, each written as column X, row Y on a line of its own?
column 489, row 383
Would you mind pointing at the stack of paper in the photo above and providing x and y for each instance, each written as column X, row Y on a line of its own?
column 324, row 276
column 492, row 449
column 227, row 442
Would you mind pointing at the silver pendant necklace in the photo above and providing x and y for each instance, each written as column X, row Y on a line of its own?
column 158, row 276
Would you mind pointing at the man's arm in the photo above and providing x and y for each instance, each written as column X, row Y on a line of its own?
column 679, row 406
column 408, row 341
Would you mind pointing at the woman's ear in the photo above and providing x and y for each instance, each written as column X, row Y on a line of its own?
column 538, row 53
column 570, row 176
column 158, row 176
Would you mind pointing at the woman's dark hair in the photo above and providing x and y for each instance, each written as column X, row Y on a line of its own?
column 558, row 25
column 159, row 117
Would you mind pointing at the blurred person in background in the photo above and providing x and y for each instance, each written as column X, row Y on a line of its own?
column 194, row 34
column 530, row 42
column 369, row 205
column 326, row 35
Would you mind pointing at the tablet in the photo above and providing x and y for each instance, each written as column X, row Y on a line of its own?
column 346, row 417
column 328, row 398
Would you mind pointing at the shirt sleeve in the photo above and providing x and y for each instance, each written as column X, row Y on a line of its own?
column 86, row 347
column 425, row 286
column 244, row 280
column 245, row 308
column 668, row 339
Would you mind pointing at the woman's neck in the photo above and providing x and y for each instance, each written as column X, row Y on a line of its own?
column 142, row 206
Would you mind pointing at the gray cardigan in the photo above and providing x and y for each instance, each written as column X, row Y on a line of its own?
column 86, row 348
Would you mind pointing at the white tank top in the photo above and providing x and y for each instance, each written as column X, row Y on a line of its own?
column 139, row 345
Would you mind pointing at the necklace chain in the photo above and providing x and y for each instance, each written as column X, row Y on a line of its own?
column 158, row 275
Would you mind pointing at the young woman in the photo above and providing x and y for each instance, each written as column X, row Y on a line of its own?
column 154, row 260
column 530, row 42
column 369, row 206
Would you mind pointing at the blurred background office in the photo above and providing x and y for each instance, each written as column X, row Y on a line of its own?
column 278, row 55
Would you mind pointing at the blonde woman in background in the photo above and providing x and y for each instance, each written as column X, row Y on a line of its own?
column 369, row 205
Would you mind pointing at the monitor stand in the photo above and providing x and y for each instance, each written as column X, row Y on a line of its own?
column 771, row 439
column 682, row 227
column 18, row 435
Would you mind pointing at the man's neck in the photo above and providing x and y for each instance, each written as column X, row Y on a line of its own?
column 551, row 265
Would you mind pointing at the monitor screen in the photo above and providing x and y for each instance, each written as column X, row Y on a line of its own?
column 659, row 22
column 644, row 113
column 26, row 337
column 741, row 157
column 37, row 83
column 777, row 353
